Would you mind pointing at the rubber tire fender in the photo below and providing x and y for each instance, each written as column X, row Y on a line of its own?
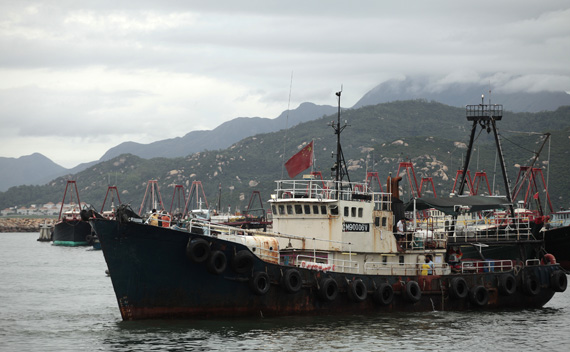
column 558, row 281
column 531, row 285
column 259, row 283
column 479, row 295
column 328, row 289
column 412, row 291
column 357, row 290
column 458, row 288
column 242, row 261
column 217, row 262
column 507, row 284
column 198, row 250
column 384, row 294
column 292, row 281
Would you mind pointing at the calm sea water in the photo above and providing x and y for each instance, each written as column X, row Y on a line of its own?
column 59, row 299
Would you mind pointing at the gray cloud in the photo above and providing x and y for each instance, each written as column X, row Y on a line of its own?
column 195, row 64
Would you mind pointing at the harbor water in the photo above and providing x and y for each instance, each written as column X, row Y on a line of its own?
column 59, row 299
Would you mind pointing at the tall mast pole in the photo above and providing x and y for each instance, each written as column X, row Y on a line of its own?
column 340, row 165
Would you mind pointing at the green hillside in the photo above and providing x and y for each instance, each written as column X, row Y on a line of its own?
column 431, row 135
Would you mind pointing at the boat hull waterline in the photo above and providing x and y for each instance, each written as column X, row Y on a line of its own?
column 155, row 276
column 71, row 233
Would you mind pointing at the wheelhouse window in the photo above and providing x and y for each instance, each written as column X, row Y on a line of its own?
column 281, row 209
column 360, row 212
column 324, row 210
column 289, row 209
column 353, row 212
column 334, row 210
column 345, row 211
column 298, row 209
column 307, row 209
column 315, row 209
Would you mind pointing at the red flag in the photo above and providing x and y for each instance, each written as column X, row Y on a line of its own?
column 300, row 161
column 536, row 196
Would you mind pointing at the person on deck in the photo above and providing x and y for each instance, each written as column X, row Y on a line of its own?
column 429, row 262
column 153, row 219
column 165, row 219
column 400, row 235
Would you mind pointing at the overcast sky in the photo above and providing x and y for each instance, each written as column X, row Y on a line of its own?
column 79, row 77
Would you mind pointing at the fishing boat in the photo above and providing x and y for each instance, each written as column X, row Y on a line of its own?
column 557, row 236
column 333, row 249
column 252, row 218
column 70, row 229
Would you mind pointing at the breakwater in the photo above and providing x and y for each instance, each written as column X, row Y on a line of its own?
column 23, row 224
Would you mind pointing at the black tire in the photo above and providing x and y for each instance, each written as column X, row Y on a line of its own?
column 259, row 283
column 458, row 288
column 217, row 262
column 85, row 214
column 479, row 296
column 198, row 250
column 357, row 290
column 384, row 294
column 242, row 262
column 558, row 281
column 412, row 291
column 507, row 284
column 531, row 285
column 328, row 289
column 292, row 281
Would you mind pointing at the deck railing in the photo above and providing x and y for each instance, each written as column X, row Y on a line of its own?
column 381, row 268
column 478, row 230
column 322, row 190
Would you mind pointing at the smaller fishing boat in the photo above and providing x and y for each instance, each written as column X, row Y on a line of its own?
column 556, row 235
column 70, row 229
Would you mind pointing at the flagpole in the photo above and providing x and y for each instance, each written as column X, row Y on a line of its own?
column 286, row 128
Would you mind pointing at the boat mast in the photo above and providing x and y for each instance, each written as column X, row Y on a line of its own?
column 340, row 165
column 486, row 116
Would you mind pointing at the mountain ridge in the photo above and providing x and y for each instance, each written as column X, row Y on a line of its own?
column 236, row 129
column 378, row 138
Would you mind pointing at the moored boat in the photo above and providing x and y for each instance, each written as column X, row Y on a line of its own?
column 557, row 237
column 332, row 249
column 70, row 229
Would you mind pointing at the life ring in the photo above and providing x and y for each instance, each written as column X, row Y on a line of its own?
column 217, row 262
column 242, row 261
column 259, row 283
column 357, row 290
column 548, row 259
column 292, row 281
column 328, row 289
column 198, row 250
column 531, row 285
column 507, row 284
column 412, row 291
column 384, row 294
column 458, row 288
column 479, row 296
column 558, row 281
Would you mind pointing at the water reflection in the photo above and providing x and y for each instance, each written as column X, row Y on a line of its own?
column 466, row 331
